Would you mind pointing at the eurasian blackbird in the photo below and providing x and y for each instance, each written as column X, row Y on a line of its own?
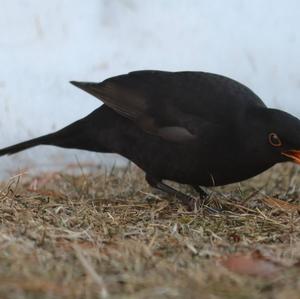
column 194, row 128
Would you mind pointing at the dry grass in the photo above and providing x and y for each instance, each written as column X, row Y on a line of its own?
column 106, row 236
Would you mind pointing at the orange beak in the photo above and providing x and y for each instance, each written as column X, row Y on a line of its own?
column 293, row 154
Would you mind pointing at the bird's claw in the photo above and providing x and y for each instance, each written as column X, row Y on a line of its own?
column 195, row 204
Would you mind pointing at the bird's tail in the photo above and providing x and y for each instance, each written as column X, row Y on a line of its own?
column 25, row 145
column 85, row 134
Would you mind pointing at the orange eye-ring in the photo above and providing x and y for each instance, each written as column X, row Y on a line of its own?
column 274, row 140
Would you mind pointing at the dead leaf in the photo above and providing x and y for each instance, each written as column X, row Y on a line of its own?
column 47, row 193
column 280, row 204
column 254, row 264
column 41, row 181
column 34, row 285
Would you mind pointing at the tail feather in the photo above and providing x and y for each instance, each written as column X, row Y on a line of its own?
column 24, row 145
column 83, row 134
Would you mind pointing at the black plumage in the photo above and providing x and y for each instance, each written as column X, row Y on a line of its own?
column 194, row 128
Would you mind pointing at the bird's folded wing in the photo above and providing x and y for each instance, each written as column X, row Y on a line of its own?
column 132, row 96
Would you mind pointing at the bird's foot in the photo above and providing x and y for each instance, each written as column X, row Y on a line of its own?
column 191, row 203
column 195, row 204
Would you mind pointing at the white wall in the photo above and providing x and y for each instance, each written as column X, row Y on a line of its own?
column 44, row 44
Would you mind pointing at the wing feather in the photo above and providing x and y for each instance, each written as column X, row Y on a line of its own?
column 127, row 95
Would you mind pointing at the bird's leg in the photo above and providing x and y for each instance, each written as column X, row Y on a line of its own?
column 200, row 191
column 185, row 199
column 203, row 196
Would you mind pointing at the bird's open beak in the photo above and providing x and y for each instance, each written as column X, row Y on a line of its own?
column 293, row 154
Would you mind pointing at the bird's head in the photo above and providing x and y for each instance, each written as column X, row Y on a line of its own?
column 280, row 133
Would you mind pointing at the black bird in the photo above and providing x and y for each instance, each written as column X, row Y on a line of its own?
column 193, row 128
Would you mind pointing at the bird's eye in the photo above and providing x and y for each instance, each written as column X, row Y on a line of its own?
column 274, row 140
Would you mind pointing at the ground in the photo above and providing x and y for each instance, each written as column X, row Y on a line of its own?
column 109, row 236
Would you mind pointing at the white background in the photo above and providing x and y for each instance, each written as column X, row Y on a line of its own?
column 45, row 44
